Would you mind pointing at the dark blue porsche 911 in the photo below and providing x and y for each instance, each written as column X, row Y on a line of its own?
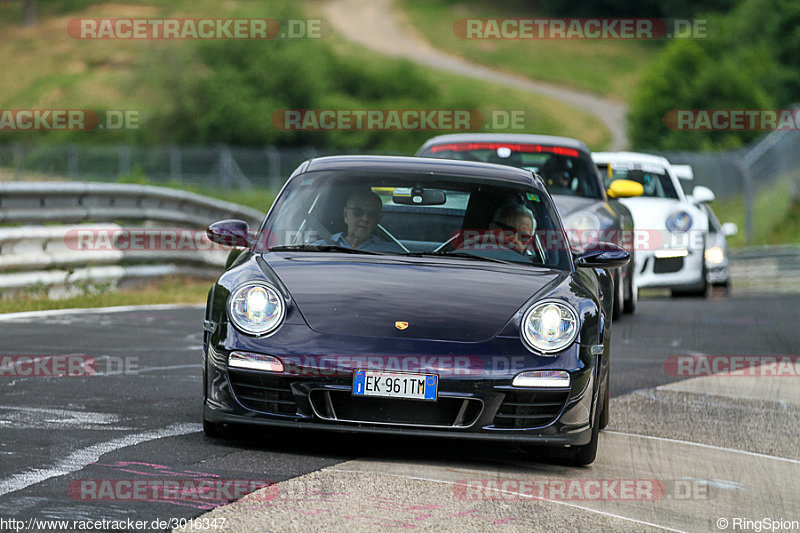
column 412, row 296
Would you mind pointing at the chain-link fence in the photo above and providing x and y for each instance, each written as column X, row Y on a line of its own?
column 747, row 172
column 740, row 173
column 726, row 173
column 219, row 166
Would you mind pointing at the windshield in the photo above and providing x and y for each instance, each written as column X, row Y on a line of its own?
column 416, row 215
column 654, row 179
column 563, row 170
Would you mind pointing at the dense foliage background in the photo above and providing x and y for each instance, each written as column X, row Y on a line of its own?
column 751, row 61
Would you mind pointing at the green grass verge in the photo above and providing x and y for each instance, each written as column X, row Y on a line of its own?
column 606, row 67
column 776, row 217
column 177, row 290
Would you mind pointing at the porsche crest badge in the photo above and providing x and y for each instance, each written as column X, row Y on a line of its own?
column 401, row 325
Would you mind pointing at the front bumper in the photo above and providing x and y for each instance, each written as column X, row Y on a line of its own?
column 672, row 273
column 477, row 406
column 718, row 274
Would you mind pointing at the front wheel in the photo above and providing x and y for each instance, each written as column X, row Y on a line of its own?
column 604, row 413
column 213, row 429
column 587, row 453
column 700, row 292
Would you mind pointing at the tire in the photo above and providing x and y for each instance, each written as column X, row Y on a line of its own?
column 604, row 413
column 619, row 297
column 699, row 292
column 722, row 289
column 587, row 453
column 633, row 294
column 213, row 429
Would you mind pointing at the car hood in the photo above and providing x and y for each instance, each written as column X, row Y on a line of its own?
column 448, row 300
column 567, row 205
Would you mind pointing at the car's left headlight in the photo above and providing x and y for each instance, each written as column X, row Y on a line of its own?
column 679, row 222
column 256, row 308
column 549, row 326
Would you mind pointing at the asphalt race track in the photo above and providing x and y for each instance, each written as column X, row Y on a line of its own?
column 700, row 453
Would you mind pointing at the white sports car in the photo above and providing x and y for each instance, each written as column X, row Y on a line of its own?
column 671, row 231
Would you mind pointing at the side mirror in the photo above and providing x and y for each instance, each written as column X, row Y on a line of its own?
column 602, row 255
column 624, row 189
column 229, row 233
column 702, row 195
column 729, row 229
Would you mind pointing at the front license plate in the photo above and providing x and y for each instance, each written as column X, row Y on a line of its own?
column 395, row 385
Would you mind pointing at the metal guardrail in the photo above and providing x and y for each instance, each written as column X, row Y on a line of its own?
column 39, row 252
column 46, row 202
column 766, row 269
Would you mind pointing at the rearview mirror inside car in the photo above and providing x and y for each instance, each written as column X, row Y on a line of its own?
column 418, row 196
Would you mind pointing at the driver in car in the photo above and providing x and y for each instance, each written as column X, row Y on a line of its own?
column 362, row 213
column 517, row 227
column 558, row 175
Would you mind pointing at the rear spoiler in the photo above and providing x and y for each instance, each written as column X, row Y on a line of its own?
column 683, row 172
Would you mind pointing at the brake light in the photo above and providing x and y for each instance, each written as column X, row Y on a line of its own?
column 514, row 147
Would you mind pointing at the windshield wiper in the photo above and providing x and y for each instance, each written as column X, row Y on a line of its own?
column 465, row 255
column 322, row 248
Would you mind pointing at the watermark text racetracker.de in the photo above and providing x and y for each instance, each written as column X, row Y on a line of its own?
column 577, row 489
column 115, row 238
column 71, row 365
column 102, row 238
column 580, row 28
column 68, row 119
column 733, row 119
column 397, row 119
column 194, row 28
column 733, row 365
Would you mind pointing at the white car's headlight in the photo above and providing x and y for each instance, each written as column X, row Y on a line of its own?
column 582, row 228
column 256, row 308
column 715, row 255
column 549, row 326
column 679, row 222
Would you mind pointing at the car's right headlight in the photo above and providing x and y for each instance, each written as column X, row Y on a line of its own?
column 256, row 308
column 549, row 326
